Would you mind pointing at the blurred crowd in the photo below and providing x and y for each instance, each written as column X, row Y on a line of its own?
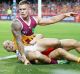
column 4, row 8
column 57, row 8
column 51, row 8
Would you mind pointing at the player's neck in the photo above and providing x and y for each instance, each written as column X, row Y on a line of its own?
column 26, row 18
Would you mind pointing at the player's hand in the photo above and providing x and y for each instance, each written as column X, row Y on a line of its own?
column 26, row 62
column 70, row 14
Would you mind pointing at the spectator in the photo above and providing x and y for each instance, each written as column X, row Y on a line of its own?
column 9, row 13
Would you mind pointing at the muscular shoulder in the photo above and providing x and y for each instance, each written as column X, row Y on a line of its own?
column 36, row 18
column 16, row 25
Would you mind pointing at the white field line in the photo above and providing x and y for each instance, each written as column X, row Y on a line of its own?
column 7, row 57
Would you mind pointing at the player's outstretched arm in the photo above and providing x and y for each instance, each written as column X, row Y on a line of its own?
column 55, row 19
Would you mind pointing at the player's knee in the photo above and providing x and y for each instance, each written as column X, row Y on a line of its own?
column 60, row 50
column 57, row 42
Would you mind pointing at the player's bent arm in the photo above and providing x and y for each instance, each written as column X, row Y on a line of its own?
column 16, row 30
column 54, row 19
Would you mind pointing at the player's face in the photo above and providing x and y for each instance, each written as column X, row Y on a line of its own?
column 24, row 10
column 9, row 46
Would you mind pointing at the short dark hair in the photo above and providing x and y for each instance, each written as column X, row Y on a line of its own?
column 24, row 2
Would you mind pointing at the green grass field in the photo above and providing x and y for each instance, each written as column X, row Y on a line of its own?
column 59, row 30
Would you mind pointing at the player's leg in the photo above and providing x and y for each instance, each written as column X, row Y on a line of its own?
column 36, row 55
column 48, row 42
column 63, row 53
column 70, row 44
column 77, row 46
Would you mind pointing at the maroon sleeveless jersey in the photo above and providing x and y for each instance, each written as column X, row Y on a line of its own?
column 27, row 30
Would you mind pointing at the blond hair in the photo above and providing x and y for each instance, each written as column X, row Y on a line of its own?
column 24, row 2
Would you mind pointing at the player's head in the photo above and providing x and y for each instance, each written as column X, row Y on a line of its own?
column 9, row 46
column 24, row 7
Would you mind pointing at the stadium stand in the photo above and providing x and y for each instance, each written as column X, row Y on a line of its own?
column 49, row 8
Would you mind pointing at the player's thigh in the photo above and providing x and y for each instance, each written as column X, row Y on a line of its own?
column 68, row 43
column 48, row 41
column 33, row 55
column 54, row 53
